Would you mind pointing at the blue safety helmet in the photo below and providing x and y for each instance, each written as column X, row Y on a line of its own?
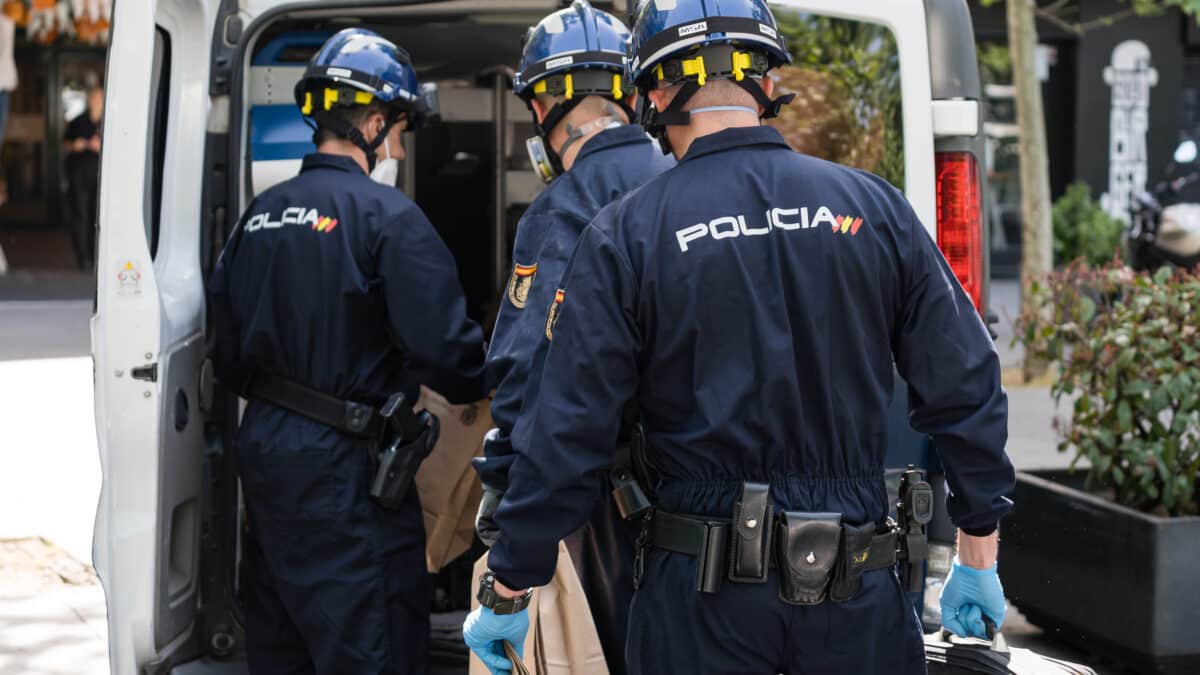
column 359, row 67
column 573, row 53
column 578, row 38
column 694, row 41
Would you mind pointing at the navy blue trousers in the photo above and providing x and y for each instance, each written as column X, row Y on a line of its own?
column 330, row 582
column 745, row 628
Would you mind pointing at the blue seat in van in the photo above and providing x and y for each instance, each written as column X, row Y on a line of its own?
column 279, row 136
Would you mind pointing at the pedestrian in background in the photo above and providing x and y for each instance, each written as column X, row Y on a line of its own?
column 83, row 175
column 8, row 84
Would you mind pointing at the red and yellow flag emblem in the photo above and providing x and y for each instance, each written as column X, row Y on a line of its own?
column 325, row 224
column 555, row 310
column 844, row 224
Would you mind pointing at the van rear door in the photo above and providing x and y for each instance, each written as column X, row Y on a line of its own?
column 905, row 42
column 147, row 333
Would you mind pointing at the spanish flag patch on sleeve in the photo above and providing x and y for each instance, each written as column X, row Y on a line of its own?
column 555, row 310
column 520, row 283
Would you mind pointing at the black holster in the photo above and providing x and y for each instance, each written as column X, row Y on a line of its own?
column 632, row 489
column 409, row 439
column 627, row 492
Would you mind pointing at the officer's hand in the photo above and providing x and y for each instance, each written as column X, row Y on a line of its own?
column 968, row 596
column 485, row 523
column 485, row 632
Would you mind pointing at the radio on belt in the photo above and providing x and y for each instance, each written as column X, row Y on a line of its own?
column 914, row 510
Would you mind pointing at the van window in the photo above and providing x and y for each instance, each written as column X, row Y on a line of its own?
column 156, row 145
column 846, row 77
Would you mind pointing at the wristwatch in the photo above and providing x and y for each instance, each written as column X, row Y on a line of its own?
column 488, row 597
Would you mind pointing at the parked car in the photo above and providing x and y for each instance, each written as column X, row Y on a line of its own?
column 199, row 119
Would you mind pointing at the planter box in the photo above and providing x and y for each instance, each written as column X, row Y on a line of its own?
column 1113, row 580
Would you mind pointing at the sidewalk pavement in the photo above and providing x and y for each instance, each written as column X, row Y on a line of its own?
column 52, row 617
column 52, row 611
column 50, row 478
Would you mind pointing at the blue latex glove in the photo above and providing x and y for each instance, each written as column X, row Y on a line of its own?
column 485, row 632
column 968, row 596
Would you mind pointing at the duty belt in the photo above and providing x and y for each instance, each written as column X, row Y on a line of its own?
column 358, row 419
column 711, row 542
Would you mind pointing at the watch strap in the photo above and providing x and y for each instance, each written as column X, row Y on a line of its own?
column 488, row 597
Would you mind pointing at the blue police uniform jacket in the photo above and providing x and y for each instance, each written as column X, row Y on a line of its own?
column 755, row 303
column 340, row 283
column 608, row 165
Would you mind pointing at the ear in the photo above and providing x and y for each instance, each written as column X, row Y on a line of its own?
column 659, row 98
column 539, row 109
column 768, row 85
column 372, row 125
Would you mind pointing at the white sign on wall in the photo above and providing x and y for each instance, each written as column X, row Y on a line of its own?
column 1131, row 78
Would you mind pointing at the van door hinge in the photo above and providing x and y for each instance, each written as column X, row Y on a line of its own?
column 147, row 373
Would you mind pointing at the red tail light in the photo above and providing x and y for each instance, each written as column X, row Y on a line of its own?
column 960, row 220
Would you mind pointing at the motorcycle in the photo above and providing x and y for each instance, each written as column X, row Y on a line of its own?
column 1161, row 235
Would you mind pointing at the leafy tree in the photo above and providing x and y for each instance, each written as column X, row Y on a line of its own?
column 846, row 77
column 1066, row 13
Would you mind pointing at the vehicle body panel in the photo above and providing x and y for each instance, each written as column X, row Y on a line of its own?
column 147, row 333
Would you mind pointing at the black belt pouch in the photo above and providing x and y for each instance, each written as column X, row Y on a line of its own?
column 852, row 560
column 750, row 539
column 808, row 550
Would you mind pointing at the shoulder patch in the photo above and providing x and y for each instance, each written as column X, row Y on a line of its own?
column 520, row 283
column 555, row 310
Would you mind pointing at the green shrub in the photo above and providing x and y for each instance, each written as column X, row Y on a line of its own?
column 1082, row 229
column 1127, row 349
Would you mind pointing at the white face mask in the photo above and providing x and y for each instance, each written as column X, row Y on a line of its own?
column 386, row 170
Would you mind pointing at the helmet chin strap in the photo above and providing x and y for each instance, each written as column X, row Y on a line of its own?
column 351, row 133
column 657, row 122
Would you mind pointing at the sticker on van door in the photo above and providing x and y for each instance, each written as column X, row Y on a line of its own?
column 129, row 279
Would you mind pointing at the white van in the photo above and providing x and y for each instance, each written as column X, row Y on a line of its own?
column 198, row 119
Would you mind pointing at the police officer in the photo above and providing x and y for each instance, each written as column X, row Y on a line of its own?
column 753, row 302
column 572, row 77
column 333, row 293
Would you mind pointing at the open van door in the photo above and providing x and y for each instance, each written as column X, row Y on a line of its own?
column 148, row 330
